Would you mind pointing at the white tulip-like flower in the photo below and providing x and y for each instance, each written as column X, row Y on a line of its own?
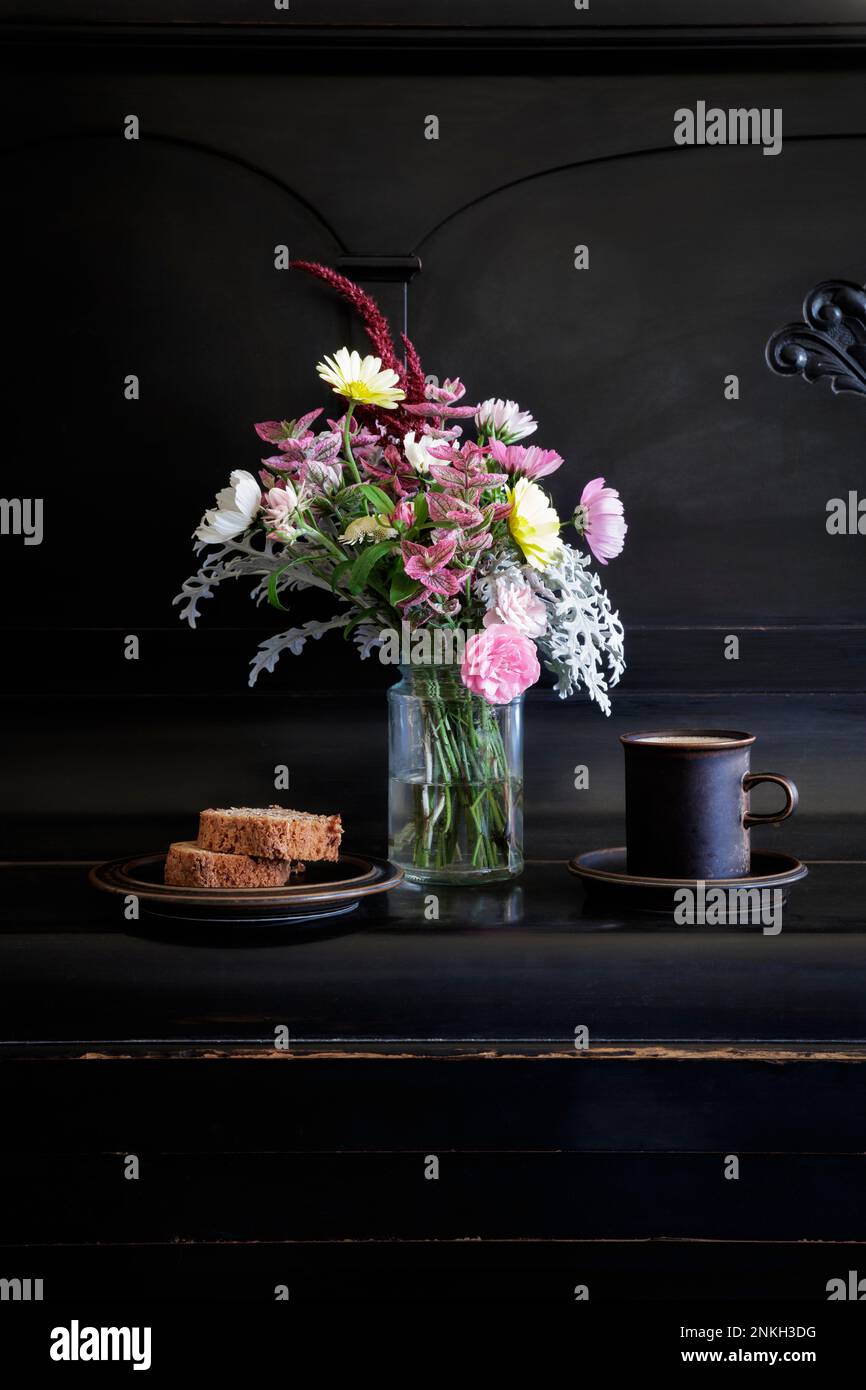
column 504, row 420
column 235, row 508
column 279, row 504
column 417, row 450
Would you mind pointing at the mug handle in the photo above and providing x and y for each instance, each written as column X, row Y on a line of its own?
column 792, row 797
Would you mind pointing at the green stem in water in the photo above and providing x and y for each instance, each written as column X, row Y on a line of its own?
column 468, row 777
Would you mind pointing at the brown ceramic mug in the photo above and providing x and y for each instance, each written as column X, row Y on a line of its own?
column 687, row 803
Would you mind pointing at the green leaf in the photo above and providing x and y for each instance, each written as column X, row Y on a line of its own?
column 273, row 596
column 402, row 586
column 380, row 500
column 366, row 562
column 421, row 512
column 274, row 578
column 339, row 571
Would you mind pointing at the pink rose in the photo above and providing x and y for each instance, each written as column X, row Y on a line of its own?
column 518, row 606
column 499, row 663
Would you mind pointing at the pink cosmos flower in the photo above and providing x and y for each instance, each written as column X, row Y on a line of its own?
column 518, row 607
column 525, row 463
column 599, row 517
column 499, row 664
column 428, row 564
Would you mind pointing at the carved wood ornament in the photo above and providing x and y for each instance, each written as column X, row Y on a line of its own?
column 829, row 342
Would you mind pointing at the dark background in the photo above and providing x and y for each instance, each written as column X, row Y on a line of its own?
column 156, row 258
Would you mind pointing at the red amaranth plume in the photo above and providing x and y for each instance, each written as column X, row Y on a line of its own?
column 374, row 321
column 414, row 382
column 376, row 327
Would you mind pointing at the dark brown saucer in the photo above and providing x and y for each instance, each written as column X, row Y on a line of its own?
column 323, row 890
column 603, row 871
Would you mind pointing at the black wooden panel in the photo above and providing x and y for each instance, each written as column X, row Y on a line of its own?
column 112, row 224
column 92, row 778
column 625, row 365
column 503, row 1196
column 165, row 248
column 167, row 259
column 214, row 660
column 418, row 1105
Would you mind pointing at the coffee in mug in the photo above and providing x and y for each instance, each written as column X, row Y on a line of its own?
column 687, row 803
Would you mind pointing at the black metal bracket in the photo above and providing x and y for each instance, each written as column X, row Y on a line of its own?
column 829, row 342
column 392, row 271
column 397, row 270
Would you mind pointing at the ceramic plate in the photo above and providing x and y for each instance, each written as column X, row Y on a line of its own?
column 604, row 871
column 323, row 890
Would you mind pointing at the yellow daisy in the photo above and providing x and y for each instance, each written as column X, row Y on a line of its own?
column 361, row 379
column 533, row 523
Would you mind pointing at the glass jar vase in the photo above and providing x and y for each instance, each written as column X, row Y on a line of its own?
column 455, row 791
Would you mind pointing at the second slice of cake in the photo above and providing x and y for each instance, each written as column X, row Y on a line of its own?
column 270, row 832
column 188, row 865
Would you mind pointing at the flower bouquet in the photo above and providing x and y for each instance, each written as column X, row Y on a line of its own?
column 442, row 550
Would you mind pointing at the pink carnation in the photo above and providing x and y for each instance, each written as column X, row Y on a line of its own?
column 599, row 517
column 518, row 607
column 499, row 664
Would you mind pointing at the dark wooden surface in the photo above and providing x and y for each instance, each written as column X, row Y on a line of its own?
column 523, row 964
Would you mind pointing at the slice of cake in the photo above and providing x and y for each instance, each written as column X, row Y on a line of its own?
column 188, row 865
column 270, row 832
